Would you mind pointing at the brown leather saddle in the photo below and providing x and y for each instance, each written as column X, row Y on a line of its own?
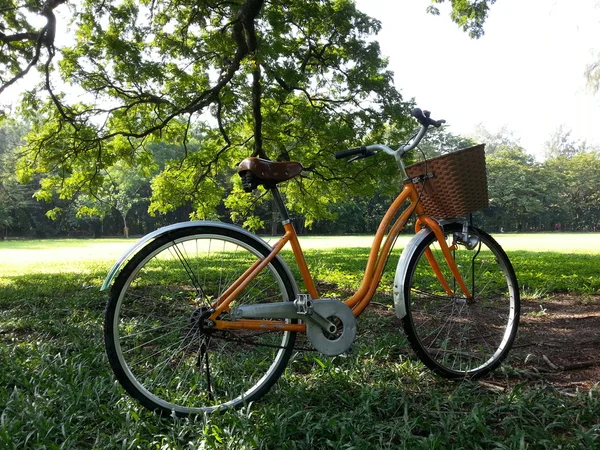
column 256, row 171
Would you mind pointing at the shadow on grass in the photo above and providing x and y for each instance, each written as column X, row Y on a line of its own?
column 52, row 363
column 59, row 391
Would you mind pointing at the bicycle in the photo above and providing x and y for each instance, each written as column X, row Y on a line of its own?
column 202, row 316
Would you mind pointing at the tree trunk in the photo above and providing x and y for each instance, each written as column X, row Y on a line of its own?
column 97, row 227
column 125, row 229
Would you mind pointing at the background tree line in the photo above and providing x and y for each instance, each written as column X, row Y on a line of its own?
column 525, row 194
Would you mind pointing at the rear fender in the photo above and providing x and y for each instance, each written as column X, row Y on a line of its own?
column 143, row 242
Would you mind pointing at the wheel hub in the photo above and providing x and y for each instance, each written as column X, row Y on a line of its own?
column 199, row 317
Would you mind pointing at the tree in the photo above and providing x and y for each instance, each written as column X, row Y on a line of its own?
column 562, row 144
column 292, row 79
column 439, row 142
column 578, row 188
column 121, row 191
column 17, row 208
column 592, row 71
column 518, row 190
column 503, row 138
column 279, row 79
column 470, row 15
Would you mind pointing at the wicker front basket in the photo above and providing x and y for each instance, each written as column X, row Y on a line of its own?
column 452, row 185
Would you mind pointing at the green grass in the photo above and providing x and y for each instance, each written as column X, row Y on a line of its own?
column 57, row 390
column 575, row 243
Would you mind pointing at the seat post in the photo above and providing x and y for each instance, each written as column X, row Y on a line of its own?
column 285, row 218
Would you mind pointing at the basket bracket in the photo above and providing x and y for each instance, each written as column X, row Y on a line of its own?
column 422, row 178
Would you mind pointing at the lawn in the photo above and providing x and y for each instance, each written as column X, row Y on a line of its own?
column 59, row 391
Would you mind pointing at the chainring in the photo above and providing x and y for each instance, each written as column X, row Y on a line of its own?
column 341, row 315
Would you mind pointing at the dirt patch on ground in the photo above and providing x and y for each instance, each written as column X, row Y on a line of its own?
column 559, row 340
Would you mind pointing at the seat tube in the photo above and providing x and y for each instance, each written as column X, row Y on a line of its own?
column 293, row 239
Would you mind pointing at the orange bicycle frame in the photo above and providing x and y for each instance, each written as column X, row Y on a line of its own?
column 374, row 271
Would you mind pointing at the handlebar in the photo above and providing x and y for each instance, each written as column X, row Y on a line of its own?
column 360, row 152
column 351, row 152
column 422, row 116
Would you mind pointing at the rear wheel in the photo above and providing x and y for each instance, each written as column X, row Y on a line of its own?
column 454, row 336
column 157, row 340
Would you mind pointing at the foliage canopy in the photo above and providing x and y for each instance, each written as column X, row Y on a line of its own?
column 276, row 79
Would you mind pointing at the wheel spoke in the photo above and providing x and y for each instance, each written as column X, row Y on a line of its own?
column 187, row 267
column 160, row 349
column 454, row 335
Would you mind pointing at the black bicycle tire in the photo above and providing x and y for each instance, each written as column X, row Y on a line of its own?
column 132, row 267
column 408, row 324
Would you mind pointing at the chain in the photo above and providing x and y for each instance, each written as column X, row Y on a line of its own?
column 259, row 344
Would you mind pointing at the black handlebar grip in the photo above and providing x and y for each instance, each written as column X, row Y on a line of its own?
column 418, row 114
column 424, row 119
column 351, row 152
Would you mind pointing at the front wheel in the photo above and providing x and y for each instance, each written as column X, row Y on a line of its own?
column 455, row 336
column 157, row 340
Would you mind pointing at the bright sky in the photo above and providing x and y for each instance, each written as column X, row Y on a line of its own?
column 525, row 73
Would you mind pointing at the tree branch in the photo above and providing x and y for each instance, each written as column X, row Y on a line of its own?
column 257, row 113
column 45, row 37
column 26, row 36
column 33, row 62
column 220, row 122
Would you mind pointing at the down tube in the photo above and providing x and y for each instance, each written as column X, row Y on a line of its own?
column 359, row 301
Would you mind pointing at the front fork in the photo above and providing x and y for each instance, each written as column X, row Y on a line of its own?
column 446, row 251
